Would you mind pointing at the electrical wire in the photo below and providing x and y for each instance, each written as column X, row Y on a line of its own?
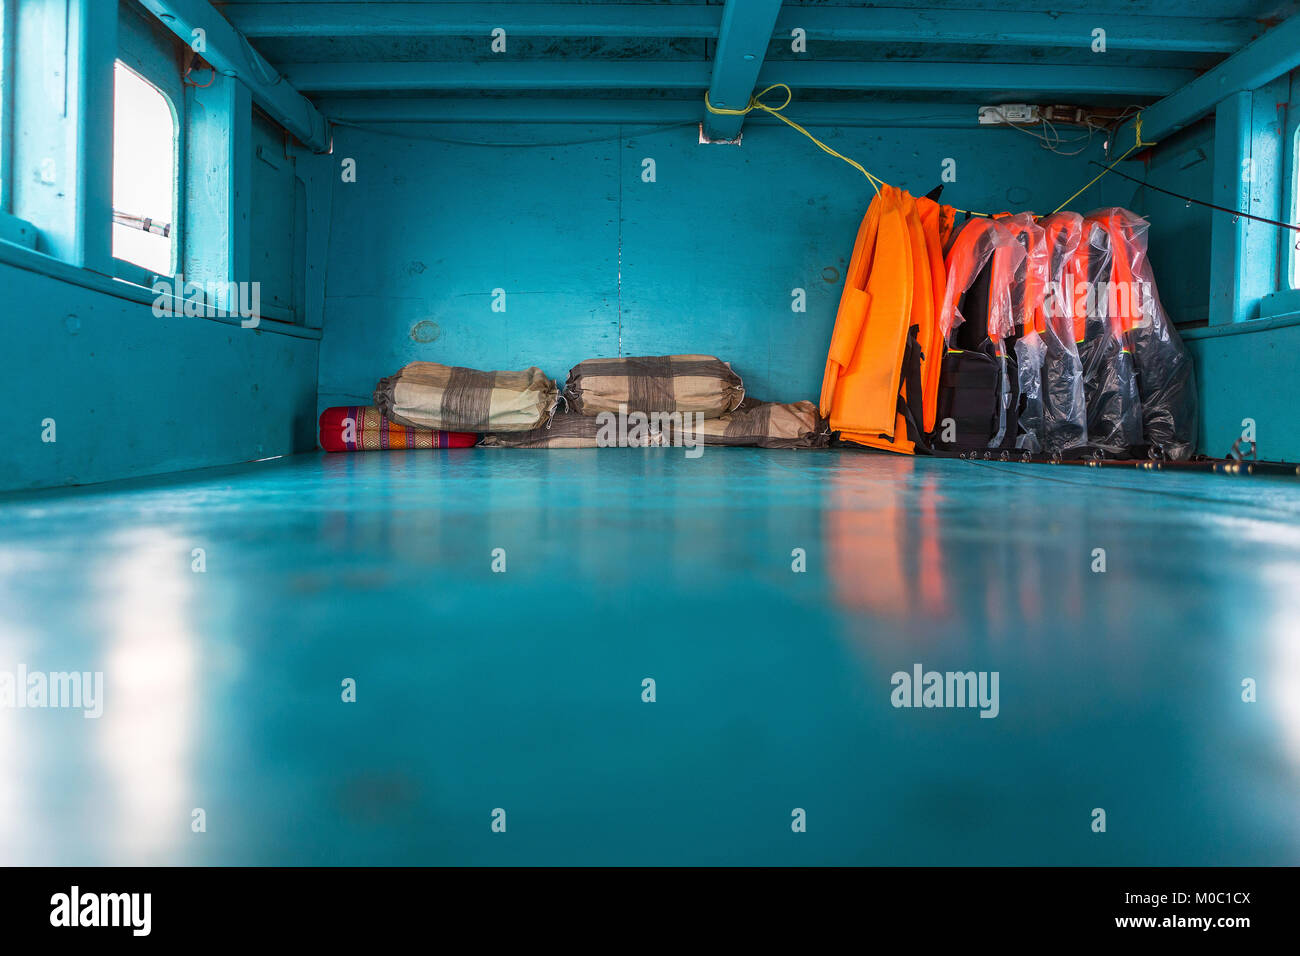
column 1208, row 205
column 1138, row 143
column 622, row 132
column 196, row 60
column 1049, row 137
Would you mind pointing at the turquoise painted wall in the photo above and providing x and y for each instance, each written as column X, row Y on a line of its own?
column 1179, row 240
column 1248, row 375
column 593, row 260
column 596, row 261
column 132, row 394
column 276, row 209
column 1245, row 370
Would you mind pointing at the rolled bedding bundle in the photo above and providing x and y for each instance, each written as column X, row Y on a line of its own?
column 451, row 398
column 663, row 383
column 361, row 428
column 763, row 424
column 570, row 430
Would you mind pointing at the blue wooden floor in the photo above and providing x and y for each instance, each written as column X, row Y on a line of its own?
column 522, row 690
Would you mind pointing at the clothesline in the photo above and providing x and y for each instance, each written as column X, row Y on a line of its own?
column 1209, row 205
column 756, row 103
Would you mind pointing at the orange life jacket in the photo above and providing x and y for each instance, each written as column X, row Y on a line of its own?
column 1086, row 303
column 936, row 224
column 1065, row 414
column 1126, row 262
column 1165, row 378
column 1062, row 233
column 979, row 240
column 1101, row 323
column 878, row 369
column 1031, row 276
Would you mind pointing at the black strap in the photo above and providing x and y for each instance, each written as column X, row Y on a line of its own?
column 912, row 408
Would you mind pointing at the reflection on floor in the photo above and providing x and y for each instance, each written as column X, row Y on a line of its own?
column 226, row 608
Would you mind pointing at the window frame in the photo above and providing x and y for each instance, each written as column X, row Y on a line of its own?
column 12, row 229
column 124, row 268
column 1291, row 272
column 1283, row 304
column 66, row 234
column 154, row 55
column 8, row 22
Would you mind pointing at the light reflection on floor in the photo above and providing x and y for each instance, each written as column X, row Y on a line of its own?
column 148, row 733
column 522, row 690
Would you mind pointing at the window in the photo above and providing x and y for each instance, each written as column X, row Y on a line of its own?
column 1290, row 236
column 149, row 119
column 6, row 100
column 145, row 141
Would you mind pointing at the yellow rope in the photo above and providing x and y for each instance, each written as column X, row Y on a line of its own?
column 756, row 103
column 1138, row 142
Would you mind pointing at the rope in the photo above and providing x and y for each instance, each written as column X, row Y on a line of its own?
column 1138, row 142
column 1236, row 213
column 756, row 103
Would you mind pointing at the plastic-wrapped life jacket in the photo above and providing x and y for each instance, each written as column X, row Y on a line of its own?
column 1100, row 320
column 878, row 369
column 1166, row 380
column 978, row 315
column 1065, row 413
column 1025, row 399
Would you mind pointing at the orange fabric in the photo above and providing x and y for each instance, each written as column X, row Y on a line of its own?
column 895, row 280
column 1029, row 315
column 1063, row 230
column 922, row 314
column 1082, row 295
column 1077, row 271
column 854, row 301
column 936, row 224
column 860, row 388
column 963, row 264
column 943, row 218
column 1126, row 312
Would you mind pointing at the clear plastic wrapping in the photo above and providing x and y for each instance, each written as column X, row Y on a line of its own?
column 1029, row 281
column 1109, row 384
column 985, row 243
column 1070, row 351
column 979, row 241
column 1065, row 413
column 1164, row 377
column 1031, row 351
column 1028, row 286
